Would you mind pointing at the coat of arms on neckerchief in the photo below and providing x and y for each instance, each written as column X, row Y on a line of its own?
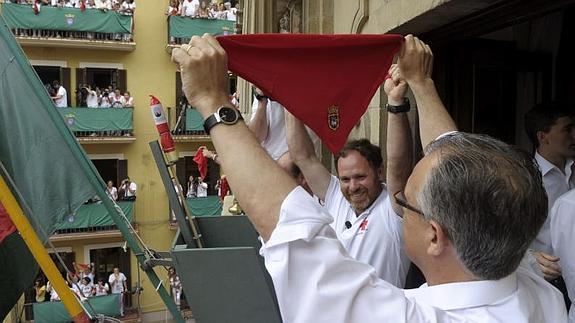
column 70, row 19
column 333, row 117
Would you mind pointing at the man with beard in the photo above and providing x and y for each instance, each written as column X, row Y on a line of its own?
column 366, row 220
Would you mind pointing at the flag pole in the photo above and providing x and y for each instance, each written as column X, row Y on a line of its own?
column 71, row 303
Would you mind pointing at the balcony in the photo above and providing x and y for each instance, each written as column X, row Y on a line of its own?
column 69, row 27
column 100, row 125
column 181, row 29
column 92, row 221
column 191, row 127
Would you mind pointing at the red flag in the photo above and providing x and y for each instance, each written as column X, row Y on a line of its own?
column 82, row 5
column 36, row 7
column 202, row 162
column 6, row 225
column 224, row 187
column 326, row 81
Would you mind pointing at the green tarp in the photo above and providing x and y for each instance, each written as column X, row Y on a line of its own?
column 68, row 19
column 94, row 215
column 185, row 27
column 54, row 312
column 205, row 206
column 98, row 119
column 194, row 120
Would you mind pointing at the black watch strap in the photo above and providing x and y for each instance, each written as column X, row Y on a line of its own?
column 404, row 107
column 215, row 119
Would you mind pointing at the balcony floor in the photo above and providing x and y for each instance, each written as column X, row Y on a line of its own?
column 76, row 43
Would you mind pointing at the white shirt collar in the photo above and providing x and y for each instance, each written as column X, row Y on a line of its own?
column 455, row 296
column 546, row 166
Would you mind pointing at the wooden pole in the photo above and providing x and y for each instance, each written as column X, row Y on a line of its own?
column 71, row 303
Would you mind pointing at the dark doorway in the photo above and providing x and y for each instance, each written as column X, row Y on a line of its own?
column 114, row 170
column 106, row 259
column 49, row 74
column 102, row 77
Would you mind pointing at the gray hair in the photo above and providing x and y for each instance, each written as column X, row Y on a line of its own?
column 488, row 197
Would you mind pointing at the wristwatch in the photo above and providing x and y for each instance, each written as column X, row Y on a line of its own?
column 225, row 115
column 404, row 107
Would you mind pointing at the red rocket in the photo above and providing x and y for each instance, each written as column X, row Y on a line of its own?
column 161, row 121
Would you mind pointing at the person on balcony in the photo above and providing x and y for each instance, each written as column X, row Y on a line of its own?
column 104, row 5
column 192, row 188
column 61, row 97
column 202, row 188
column 129, row 188
column 91, row 97
column 204, row 11
column 127, row 100
column 190, row 8
column 173, row 8
column 116, row 99
column 105, row 101
column 112, row 191
column 128, row 7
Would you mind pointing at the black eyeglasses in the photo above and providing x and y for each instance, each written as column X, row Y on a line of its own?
column 402, row 201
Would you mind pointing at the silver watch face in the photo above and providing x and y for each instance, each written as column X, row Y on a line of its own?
column 228, row 115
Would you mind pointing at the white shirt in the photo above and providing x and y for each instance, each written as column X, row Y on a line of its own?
column 375, row 236
column 556, row 183
column 276, row 141
column 117, row 283
column 102, row 290
column 202, row 190
column 133, row 187
column 316, row 281
column 92, row 99
column 189, row 8
column 562, row 226
column 127, row 103
column 231, row 14
column 62, row 102
column 112, row 193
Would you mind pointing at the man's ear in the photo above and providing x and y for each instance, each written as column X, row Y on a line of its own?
column 541, row 136
column 437, row 237
column 381, row 173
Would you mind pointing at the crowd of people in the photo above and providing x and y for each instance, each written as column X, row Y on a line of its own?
column 124, row 7
column 471, row 214
column 83, row 284
column 126, row 191
column 204, row 9
column 91, row 97
column 109, row 97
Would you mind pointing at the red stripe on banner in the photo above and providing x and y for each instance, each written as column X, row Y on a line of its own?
column 6, row 225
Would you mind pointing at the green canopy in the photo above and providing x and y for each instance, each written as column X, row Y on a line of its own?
column 94, row 215
column 194, row 120
column 68, row 19
column 185, row 27
column 54, row 312
column 98, row 119
column 205, row 206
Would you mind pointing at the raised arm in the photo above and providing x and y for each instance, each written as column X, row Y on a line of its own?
column 303, row 155
column 259, row 122
column 416, row 63
column 259, row 184
column 399, row 142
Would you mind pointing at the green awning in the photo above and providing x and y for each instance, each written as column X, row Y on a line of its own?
column 67, row 19
column 98, row 119
column 94, row 215
column 205, row 206
column 185, row 27
column 194, row 120
column 54, row 312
